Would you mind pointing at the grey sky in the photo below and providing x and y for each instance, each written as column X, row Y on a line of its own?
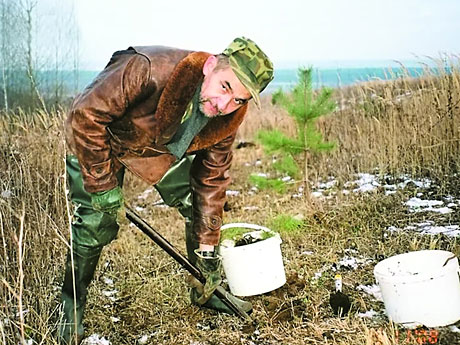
column 291, row 32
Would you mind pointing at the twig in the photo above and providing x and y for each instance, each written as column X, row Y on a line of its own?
column 69, row 218
column 21, row 274
column 58, row 234
column 439, row 144
column 11, row 209
column 15, row 295
column 2, row 331
column 3, row 239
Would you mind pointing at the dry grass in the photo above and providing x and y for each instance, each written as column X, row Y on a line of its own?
column 407, row 125
column 403, row 126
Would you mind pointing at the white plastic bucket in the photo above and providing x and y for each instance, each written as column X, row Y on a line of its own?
column 420, row 288
column 254, row 268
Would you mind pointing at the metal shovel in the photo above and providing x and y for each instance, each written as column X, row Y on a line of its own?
column 220, row 292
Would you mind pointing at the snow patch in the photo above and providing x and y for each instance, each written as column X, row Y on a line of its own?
column 442, row 210
column 429, row 228
column 161, row 205
column 232, row 192
column 368, row 314
column 95, row 339
column 143, row 339
column 369, row 182
column 203, row 327
column 6, row 194
column 454, row 329
column 109, row 293
column 299, row 194
column 327, row 185
column 365, row 183
column 286, row 179
column 145, row 194
column 373, row 290
column 253, row 190
column 418, row 203
column 250, row 208
column 107, row 281
column 351, row 262
column 317, row 194
column 348, row 262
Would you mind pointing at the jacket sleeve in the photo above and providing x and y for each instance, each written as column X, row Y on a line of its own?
column 209, row 180
column 123, row 81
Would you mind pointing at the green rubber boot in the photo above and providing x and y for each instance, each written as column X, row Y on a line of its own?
column 190, row 243
column 91, row 231
column 215, row 303
column 71, row 329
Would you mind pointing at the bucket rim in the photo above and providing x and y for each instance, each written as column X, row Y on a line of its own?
column 275, row 239
column 245, row 225
column 382, row 274
column 254, row 227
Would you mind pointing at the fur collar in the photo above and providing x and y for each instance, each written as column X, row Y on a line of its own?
column 177, row 94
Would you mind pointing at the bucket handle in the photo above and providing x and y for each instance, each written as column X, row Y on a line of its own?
column 448, row 259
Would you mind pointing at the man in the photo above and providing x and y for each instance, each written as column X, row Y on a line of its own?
column 169, row 116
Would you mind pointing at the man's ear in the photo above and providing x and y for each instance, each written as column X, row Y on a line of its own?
column 209, row 65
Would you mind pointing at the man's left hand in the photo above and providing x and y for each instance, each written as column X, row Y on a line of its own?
column 109, row 201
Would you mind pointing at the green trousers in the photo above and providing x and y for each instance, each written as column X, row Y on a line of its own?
column 92, row 230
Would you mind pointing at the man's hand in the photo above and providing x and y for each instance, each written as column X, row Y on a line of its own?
column 109, row 201
column 211, row 268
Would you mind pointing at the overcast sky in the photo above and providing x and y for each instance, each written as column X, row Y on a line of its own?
column 291, row 32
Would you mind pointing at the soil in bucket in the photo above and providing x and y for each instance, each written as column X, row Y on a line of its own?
column 241, row 236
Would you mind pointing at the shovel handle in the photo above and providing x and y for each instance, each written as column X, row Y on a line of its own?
column 220, row 292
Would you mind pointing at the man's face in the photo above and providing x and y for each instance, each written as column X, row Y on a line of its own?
column 221, row 92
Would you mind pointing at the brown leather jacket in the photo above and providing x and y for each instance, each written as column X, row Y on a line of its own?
column 134, row 107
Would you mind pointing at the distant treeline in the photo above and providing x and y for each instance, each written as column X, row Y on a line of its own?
column 39, row 57
column 340, row 77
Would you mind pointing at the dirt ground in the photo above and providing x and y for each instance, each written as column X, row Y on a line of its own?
column 140, row 294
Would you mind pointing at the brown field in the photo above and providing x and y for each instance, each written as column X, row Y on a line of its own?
column 386, row 128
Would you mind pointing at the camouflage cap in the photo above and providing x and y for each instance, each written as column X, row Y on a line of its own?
column 250, row 64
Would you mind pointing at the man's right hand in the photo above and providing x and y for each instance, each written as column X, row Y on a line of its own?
column 109, row 201
column 211, row 268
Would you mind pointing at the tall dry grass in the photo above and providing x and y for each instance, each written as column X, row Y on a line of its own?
column 395, row 126
column 33, row 222
column 406, row 125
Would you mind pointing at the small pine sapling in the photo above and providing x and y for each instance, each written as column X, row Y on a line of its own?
column 305, row 106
